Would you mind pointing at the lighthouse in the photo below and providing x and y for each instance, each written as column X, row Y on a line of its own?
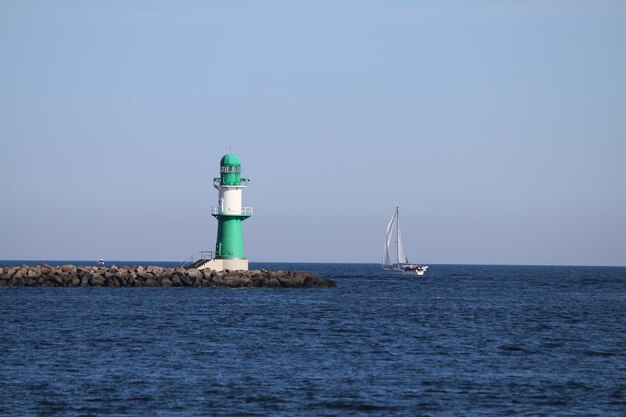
column 230, row 215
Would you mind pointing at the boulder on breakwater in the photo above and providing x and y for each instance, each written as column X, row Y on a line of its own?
column 154, row 276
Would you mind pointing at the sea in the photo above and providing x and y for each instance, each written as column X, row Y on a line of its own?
column 463, row 340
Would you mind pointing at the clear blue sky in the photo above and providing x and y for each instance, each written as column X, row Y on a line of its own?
column 498, row 127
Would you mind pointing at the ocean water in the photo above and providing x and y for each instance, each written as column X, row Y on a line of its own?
column 460, row 341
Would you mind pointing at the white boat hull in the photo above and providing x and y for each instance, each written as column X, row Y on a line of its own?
column 420, row 271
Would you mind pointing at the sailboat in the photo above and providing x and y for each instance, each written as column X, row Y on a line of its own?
column 400, row 263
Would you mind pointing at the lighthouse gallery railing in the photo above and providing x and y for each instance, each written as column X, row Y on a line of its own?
column 245, row 211
column 243, row 182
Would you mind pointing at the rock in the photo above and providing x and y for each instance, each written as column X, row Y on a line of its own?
column 176, row 282
column 186, row 280
column 291, row 281
column 165, row 282
column 145, row 275
column 155, row 270
column 111, row 281
column 150, row 282
column 272, row 282
column 96, row 281
column 235, row 281
column 68, row 268
column 194, row 273
column 309, row 282
column 56, row 279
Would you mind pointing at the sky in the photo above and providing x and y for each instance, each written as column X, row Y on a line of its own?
column 498, row 128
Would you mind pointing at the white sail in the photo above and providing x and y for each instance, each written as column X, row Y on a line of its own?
column 402, row 259
column 386, row 254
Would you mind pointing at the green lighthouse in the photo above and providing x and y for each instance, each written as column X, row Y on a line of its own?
column 230, row 215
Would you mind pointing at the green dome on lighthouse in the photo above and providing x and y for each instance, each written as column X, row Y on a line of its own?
column 230, row 159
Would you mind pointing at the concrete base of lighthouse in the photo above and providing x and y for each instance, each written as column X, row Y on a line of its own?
column 222, row 264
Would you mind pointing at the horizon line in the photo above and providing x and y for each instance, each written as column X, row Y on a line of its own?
column 145, row 262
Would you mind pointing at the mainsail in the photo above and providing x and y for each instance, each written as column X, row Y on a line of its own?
column 402, row 259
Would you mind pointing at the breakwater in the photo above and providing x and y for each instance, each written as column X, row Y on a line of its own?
column 154, row 276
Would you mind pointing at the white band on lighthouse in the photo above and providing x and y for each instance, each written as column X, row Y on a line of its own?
column 230, row 200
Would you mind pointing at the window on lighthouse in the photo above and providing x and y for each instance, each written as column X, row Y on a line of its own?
column 230, row 169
